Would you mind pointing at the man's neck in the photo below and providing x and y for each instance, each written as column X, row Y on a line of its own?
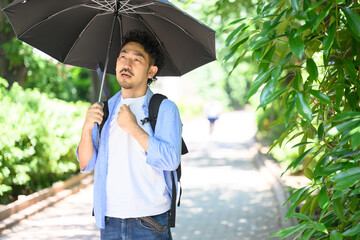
column 127, row 93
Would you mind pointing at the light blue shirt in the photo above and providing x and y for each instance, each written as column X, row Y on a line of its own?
column 164, row 149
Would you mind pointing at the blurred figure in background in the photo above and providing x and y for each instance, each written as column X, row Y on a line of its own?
column 212, row 110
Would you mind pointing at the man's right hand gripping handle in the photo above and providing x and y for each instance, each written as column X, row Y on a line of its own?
column 94, row 115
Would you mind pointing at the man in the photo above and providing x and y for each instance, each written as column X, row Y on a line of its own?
column 132, row 185
column 212, row 110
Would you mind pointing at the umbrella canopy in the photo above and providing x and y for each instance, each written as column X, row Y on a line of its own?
column 77, row 32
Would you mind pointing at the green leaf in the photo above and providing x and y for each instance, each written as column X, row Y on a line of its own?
column 346, row 178
column 237, row 62
column 355, row 141
column 268, row 26
column 233, row 49
column 321, row 17
column 297, row 45
column 340, row 87
column 335, row 235
column 353, row 20
column 303, row 107
column 342, row 127
column 230, row 38
column 290, row 230
column 299, row 159
column 321, row 96
column 328, row 170
column 295, row 4
column 320, row 227
column 302, row 216
column 324, row 199
column 301, row 144
column 268, row 90
column 295, row 195
column 321, row 131
column 258, row 42
column 308, row 234
column 355, row 216
column 337, row 194
column 270, row 98
column 350, row 69
column 312, row 69
column 289, row 110
column 276, row 122
column 266, row 60
column 338, row 209
column 298, row 82
column 236, row 21
column 303, row 28
column 262, row 78
column 308, row 173
column 329, row 38
column 346, row 116
column 352, row 231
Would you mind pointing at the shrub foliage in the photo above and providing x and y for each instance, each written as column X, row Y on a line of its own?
column 39, row 136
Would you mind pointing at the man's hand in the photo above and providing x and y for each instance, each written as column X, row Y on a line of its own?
column 126, row 119
column 94, row 115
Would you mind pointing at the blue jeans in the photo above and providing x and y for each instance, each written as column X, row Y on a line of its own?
column 135, row 229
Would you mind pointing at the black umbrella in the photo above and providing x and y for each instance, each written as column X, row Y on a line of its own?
column 88, row 33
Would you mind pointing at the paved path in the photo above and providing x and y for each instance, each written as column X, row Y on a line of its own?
column 224, row 196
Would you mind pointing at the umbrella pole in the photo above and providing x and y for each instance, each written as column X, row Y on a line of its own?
column 107, row 57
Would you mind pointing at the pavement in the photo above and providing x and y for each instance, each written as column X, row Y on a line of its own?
column 225, row 195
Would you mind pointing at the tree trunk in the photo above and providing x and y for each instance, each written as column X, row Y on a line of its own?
column 17, row 71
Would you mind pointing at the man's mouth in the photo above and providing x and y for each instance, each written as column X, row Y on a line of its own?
column 126, row 73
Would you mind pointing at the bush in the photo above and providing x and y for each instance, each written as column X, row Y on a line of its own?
column 39, row 136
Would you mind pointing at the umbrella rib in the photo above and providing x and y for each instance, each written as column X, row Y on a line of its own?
column 184, row 30
column 82, row 32
column 49, row 17
column 162, row 46
column 103, row 5
column 131, row 8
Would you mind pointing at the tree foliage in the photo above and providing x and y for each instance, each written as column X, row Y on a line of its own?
column 307, row 54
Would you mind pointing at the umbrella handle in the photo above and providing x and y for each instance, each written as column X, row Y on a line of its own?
column 98, row 126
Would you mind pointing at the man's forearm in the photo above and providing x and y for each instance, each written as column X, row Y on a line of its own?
column 86, row 149
column 140, row 136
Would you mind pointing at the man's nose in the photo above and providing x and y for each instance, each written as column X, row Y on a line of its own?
column 128, row 62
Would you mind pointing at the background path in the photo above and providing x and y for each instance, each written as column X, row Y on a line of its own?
column 224, row 195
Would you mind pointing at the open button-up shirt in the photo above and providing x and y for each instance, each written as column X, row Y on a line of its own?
column 164, row 149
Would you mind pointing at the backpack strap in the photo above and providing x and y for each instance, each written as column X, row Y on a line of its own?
column 154, row 106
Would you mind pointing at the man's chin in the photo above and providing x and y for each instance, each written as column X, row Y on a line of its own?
column 125, row 85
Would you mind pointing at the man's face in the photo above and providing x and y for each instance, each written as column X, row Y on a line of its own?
column 133, row 67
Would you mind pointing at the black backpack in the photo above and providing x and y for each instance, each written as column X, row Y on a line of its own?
column 154, row 106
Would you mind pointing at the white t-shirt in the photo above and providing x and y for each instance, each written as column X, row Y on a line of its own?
column 133, row 188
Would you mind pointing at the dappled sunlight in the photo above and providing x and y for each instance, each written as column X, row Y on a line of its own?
column 69, row 219
column 224, row 195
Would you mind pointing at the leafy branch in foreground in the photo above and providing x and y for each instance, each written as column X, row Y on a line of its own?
column 308, row 63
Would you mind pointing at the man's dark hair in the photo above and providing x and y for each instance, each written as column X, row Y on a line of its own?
column 151, row 47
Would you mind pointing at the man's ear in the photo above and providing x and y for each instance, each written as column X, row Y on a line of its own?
column 152, row 71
